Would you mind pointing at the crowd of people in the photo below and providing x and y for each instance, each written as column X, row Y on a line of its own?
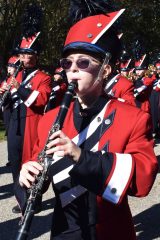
column 105, row 149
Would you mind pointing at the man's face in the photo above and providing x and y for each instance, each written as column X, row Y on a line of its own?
column 140, row 72
column 57, row 77
column 11, row 70
column 124, row 73
column 158, row 70
column 29, row 60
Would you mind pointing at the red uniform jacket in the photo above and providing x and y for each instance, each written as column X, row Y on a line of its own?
column 123, row 88
column 120, row 161
column 143, row 89
column 33, row 96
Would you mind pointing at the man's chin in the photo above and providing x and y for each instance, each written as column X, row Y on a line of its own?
column 28, row 66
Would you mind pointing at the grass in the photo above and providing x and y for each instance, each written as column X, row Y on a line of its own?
column 2, row 131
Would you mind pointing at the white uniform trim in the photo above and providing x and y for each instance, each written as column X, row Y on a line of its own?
column 68, row 196
column 121, row 99
column 139, row 90
column 65, row 173
column 62, row 175
column 108, row 26
column 111, row 81
column 13, row 90
column 91, row 128
column 119, row 179
column 29, row 77
column 31, row 98
column 56, row 88
column 73, row 193
column 86, row 133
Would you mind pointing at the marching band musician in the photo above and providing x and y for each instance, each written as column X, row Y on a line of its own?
column 155, row 101
column 29, row 94
column 104, row 151
column 143, row 83
column 59, row 86
column 119, row 85
column 157, row 67
column 125, row 63
column 11, row 68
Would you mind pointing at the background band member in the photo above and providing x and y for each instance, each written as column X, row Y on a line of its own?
column 143, row 83
column 11, row 68
column 29, row 94
column 119, row 85
column 155, row 101
column 59, row 86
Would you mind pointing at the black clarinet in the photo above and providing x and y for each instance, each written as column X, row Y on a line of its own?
column 5, row 95
column 45, row 161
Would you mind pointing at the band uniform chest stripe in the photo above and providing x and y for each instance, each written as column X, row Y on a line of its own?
column 103, row 127
column 79, row 139
column 90, row 129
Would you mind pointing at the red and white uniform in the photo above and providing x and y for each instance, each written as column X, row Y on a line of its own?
column 121, row 87
column 27, row 107
column 142, row 92
column 117, row 159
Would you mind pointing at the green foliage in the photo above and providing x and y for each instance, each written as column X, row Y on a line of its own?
column 53, row 30
column 140, row 18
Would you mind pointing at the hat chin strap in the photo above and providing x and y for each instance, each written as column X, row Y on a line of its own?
column 100, row 73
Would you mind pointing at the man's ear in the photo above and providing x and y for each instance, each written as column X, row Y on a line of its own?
column 107, row 70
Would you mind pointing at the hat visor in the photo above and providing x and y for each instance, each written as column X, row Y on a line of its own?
column 84, row 47
column 27, row 50
column 141, row 68
column 11, row 65
column 125, row 69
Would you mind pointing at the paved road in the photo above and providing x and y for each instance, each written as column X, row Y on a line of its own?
column 146, row 211
column 9, row 221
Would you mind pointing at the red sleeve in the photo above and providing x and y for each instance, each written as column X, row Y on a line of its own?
column 141, row 147
column 125, row 89
column 148, row 81
column 37, row 92
column 133, row 172
column 40, row 95
column 114, row 175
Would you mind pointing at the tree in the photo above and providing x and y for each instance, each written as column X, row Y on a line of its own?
column 140, row 18
column 53, row 29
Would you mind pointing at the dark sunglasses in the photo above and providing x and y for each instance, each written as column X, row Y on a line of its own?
column 82, row 63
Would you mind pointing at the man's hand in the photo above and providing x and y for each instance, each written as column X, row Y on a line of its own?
column 15, row 83
column 4, row 88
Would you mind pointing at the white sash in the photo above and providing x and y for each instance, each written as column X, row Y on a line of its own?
column 73, row 193
column 26, row 81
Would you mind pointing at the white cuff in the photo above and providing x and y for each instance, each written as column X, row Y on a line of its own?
column 31, row 98
column 120, row 179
